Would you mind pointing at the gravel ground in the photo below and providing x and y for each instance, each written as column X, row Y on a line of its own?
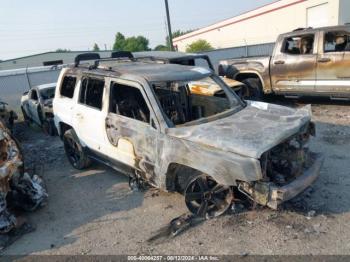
column 94, row 212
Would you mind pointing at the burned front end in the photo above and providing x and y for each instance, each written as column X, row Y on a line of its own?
column 288, row 169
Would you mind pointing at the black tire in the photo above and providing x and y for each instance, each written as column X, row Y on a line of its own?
column 204, row 197
column 252, row 90
column 74, row 151
column 25, row 117
column 40, row 114
column 49, row 128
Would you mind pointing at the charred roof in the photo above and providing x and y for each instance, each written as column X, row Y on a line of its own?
column 151, row 71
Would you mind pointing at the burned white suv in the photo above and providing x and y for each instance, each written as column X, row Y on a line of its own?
column 142, row 119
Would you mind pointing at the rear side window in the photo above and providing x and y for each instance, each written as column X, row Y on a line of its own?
column 91, row 93
column 338, row 41
column 128, row 101
column 68, row 86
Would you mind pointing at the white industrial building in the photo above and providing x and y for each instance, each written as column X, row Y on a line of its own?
column 264, row 24
column 46, row 59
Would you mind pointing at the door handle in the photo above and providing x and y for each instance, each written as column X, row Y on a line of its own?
column 279, row 62
column 324, row 60
column 80, row 116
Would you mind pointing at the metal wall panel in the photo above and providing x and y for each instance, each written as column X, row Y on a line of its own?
column 238, row 52
column 13, row 83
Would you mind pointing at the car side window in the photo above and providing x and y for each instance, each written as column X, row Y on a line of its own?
column 68, row 86
column 128, row 101
column 299, row 45
column 34, row 95
column 337, row 41
column 91, row 92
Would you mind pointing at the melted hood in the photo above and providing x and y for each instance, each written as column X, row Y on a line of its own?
column 249, row 132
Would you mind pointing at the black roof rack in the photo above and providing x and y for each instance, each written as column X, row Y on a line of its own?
column 86, row 57
column 175, row 60
column 125, row 56
column 122, row 54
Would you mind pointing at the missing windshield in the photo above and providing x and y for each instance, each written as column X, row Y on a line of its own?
column 185, row 102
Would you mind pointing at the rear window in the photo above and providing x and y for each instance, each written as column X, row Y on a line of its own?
column 68, row 86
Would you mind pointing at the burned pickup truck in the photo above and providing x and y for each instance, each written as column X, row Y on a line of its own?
column 305, row 62
column 142, row 119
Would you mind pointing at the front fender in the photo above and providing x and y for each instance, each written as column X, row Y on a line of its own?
column 225, row 167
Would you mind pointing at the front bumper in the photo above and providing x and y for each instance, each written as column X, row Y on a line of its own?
column 268, row 194
column 279, row 195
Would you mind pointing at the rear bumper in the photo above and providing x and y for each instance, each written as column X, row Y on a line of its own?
column 278, row 195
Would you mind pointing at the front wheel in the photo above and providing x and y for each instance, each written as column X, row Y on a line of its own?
column 25, row 117
column 74, row 151
column 204, row 197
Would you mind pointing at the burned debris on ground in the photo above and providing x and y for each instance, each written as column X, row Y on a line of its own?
column 19, row 191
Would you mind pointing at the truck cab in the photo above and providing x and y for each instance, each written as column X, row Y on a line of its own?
column 305, row 62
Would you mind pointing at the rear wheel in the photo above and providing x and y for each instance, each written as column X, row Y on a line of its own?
column 74, row 150
column 252, row 89
column 204, row 197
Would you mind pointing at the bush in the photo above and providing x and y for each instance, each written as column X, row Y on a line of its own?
column 199, row 46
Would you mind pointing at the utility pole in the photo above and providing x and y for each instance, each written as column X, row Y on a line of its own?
column 169, row 26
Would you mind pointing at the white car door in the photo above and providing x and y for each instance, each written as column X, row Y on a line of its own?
column 89, row 114
column 65, row 100
column 33, row 105
column 131, row 127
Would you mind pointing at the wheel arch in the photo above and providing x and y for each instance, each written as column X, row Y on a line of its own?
column 241, row 76
column 178, row 175
column 63, row 127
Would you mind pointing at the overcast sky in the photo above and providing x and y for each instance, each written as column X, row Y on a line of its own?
column 36, row 26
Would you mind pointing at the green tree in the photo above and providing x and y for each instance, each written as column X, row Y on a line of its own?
column 132, row 44
column 161, row 48
column 62, row 50
column 96, row 47
column 199, row 46
column 119, row 42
